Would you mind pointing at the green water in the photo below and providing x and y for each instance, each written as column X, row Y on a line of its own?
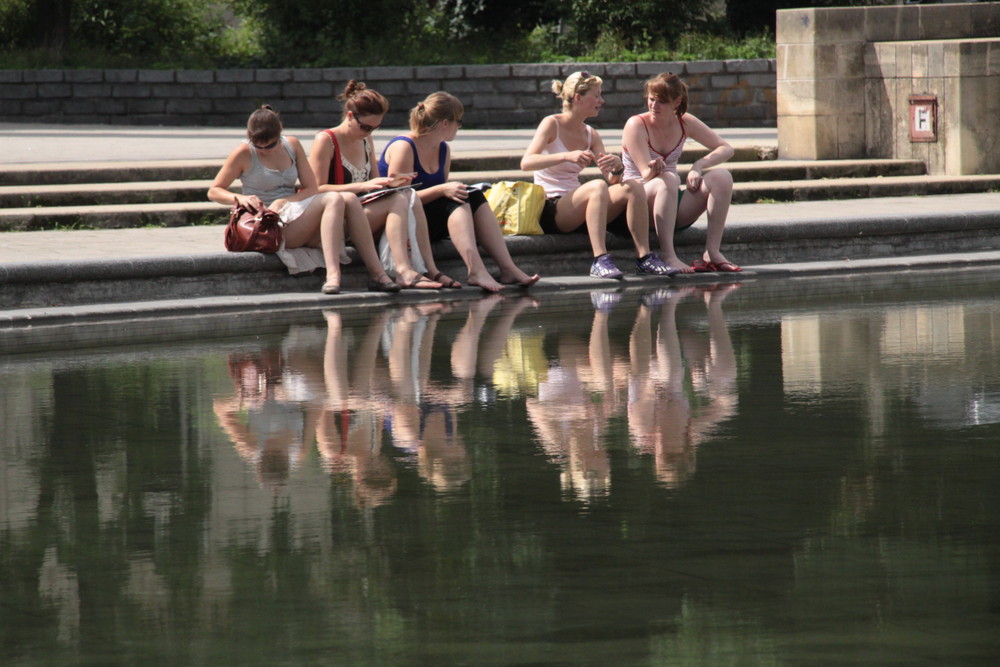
column 792, row 472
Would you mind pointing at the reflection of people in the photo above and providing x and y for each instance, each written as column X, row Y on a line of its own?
column 357, row 173
column 663, row 419
column 572, row 407
column 452, row 209
column 269, row 165
column 562, row 146
column 349, row 430
column 652, row 144
column 267, row 419
column 423, row 420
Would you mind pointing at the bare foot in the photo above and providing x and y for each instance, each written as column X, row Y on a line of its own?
column 485, row 282
column 518, row 278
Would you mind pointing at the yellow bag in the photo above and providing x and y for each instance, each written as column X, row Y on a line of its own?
column 517, row 205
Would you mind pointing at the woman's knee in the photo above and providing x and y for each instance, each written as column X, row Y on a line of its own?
column 332, row 201
column 718, row 180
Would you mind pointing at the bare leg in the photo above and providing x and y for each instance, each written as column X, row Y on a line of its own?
column 360, row 233
column 715, row 196
column 424, row 245
column 461, row 228
column 489, row 235
column 662, row 194
column 631, row 197
column 590, row 203
column 393, row 212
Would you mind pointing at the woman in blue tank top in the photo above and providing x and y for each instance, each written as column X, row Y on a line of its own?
column 452, row 209
column 268, row 166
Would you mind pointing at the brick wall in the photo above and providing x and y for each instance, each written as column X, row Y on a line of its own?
column 729, row 93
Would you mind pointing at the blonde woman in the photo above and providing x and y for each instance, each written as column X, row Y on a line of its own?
column 269, row 166
column 452, row 209
column 652, row 143
column 343, row 160
column 562, row 147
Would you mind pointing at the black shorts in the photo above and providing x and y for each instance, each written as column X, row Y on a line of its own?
column 439, row 210
column 619, row 225
column 548, row 219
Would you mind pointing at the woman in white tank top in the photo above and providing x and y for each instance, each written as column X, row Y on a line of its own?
column 652, row 143
column 562, row 147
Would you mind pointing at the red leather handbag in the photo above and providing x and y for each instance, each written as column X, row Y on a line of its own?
column 252, row 230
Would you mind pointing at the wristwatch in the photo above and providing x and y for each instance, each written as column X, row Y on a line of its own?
column 618, row 172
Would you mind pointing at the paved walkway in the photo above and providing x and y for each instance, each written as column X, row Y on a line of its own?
column 51, row 144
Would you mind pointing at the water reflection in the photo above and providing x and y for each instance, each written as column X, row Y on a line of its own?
column 706, row 475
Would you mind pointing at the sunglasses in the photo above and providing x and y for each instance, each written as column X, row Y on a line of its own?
column 268, row 147
column 365, row 127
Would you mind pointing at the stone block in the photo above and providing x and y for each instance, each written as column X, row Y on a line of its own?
column 422, row 88
column 904, row 59
column 319, row 89
column 307, row 75
column 44, row 76
column 503, row 86
column 145, row 106
column 919, row 64
column 943, row 22
column 795, row 61
column 749, row 66
column 84, row 76
column 10, row 108
column 494, row 102
column 341, row 75
column 170, row 91
column 634, row 86
column 952, row 60
column 388, row 73
column 121, row 75
column 11, row 76
column 439, row 72
column 620, row 70
column 935, row 59
column 109, row 106
column 38, row 108
column 235, row 75
column 797, row 137
column 487, row 71
column 327, row 106
column 131, row 90
column 704, row 67
column 993, row 59
column 985, row 20
column 274, row 75
column 54, row 90
column 796, row 98
column 851, row 135
column 187, row 107
column 889, row 24
column 651, row 69
column 539, row 70
column 975, row 57
column 795, row 26
column 198, row 76
column 155, row 76
column 267, row 91
column 224, row 90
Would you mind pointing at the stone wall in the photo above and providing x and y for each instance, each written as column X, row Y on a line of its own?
column 731, row 93
column 844, row 76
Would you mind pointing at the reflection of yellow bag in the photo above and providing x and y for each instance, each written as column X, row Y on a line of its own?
column 517, row 205
column 521, row 366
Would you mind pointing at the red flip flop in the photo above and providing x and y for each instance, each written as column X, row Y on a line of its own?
column 727, row 267
column 701, row 266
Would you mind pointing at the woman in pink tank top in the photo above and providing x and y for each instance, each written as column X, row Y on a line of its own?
column 652, row 143
column 562, row 147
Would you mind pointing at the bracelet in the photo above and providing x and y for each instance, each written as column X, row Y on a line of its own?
column 617, row 172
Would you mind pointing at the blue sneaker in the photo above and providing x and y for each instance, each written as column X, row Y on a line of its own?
column 652, row 264
column 603, row 267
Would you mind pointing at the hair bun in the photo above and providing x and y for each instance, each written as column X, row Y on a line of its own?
column 557, row 87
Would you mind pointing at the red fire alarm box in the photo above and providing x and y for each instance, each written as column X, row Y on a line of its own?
column 923, row 117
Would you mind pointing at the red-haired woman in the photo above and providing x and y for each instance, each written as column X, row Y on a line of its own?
column 651, row 145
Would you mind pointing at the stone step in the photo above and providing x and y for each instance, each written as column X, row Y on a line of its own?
column 98, row 192
column 75, row 173
column 174, row 212
column 165, row 264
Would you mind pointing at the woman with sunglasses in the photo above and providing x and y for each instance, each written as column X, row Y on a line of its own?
column 343, row 160
column 452, row 209
column 269, row 166
column 652, row 144
column 562, row 147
